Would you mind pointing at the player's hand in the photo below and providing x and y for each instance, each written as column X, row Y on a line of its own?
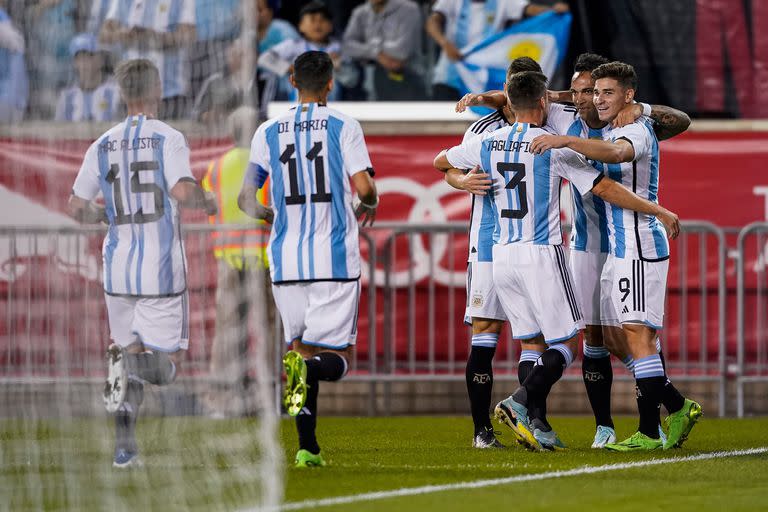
column 453, row 53
column 470, row 100
column 476, row 182
column 671, row 222
column 628, row 115
column 365, row 214
column 543, row 143
column 210, row 203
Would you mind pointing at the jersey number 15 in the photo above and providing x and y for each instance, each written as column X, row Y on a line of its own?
column 136, row 187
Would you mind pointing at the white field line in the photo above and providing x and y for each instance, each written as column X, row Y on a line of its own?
column 477, row 484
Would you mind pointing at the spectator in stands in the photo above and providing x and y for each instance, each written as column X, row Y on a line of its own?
column 384, row 38
column 95, row 96
column 223, row 92
column 14, row 86
column 97, row 16
column 271, row 31
column 456, row 24
column 162, row 32
column 243, row 284
column 218, row 24
column 50, row 28
column 315, row 26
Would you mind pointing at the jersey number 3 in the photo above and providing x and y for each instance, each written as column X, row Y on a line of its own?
column 322, row 196
column 136, row 187
column 516, row 183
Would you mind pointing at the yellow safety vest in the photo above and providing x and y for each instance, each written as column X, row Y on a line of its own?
column 225, row 178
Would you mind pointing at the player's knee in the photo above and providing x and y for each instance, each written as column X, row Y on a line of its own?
column 486, row 326
column 593, row 336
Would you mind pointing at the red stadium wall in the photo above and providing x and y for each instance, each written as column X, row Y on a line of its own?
column 716, row 177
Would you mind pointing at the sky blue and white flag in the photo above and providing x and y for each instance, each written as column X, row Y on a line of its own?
column 544, row 38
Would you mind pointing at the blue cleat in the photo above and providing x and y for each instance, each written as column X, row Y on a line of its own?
column 515, row 415
column 549, row 440
column 603, row 436
column 126, row 459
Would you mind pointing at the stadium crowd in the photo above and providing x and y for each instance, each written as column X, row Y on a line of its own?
column 57, row 57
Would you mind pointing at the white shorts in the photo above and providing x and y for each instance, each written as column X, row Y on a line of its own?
column 482, row 300
column 633, row 291
column 321, row 313
column 535, row 287
column 586, row 269
column 161, row 324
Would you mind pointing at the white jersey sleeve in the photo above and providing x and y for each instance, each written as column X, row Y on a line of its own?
column 176, row 156
column 353, row 148
column 467, row 154
column 448, row 8
column 87, row 184
column 560, row 118
column 188, row 16
column 637, row 135
column 511, row 10
column 575, row 168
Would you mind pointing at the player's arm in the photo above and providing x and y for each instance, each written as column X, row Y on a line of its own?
column 611, row 152
column 668, row 122
column 247, row 200
column 190, row 195
column 497, row 99
column 369, row 198
column 618, row 194
column 475, row 181
column 85, row 211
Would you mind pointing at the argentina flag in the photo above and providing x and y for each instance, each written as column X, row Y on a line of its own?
column 543, row 38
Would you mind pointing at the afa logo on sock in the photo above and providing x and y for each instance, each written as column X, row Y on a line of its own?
column 481, row 378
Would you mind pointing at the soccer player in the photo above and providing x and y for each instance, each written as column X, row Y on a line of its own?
column 589, row 238
column 141, row 167
column 310, row 153
column 484, row 312
column 530, row 272
column 633, row 279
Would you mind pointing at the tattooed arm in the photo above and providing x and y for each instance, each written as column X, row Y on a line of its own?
column 668, row 121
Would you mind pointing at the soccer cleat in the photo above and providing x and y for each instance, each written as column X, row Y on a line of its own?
column 549, row 440
column 679, row 424
column 295, row 394
column 116, row 384
column 515, row 415
column 637, row 442
column 604, row 436
column 486, row 438
column 307, row 459
column 662, row 435
column 126, row 459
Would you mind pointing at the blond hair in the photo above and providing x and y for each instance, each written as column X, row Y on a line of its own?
column 137, row 79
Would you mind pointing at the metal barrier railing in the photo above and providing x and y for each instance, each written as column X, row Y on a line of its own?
column 755, row 367
column 414, row 301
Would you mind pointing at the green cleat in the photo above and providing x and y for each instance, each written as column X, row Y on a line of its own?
column 295, row 394
column 680, row 424
column 638, row 442
column 307, row 459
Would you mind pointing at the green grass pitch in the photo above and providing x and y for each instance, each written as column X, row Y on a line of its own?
column 213, row 465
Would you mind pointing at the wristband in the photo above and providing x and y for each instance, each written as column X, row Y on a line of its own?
column 370, row 206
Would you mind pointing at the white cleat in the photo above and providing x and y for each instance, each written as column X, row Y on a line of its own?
column 604, row 436
column 116, row 384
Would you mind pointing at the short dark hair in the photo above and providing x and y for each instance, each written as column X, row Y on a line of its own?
column 312, row 71
column 619, row 71
column 589, row 62
column 137, row 78
column 315, row 7
column 521, row 64
column 525, row 89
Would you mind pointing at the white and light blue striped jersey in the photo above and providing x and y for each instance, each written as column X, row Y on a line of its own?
column 100, row 104
column 527, row 203
column 482, row 221
column 590, row 222
column 632, row 234
column 309, row 153
column 135, row 165
column 160, row 16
